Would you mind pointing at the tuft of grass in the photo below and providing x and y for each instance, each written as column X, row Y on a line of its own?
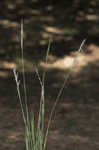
column 35, row 139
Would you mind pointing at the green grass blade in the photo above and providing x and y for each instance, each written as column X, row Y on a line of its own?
column 28, row 144
column 46, row 59
column 19, row 94
column 23, row 70
column 33, row 133
column 59, row 94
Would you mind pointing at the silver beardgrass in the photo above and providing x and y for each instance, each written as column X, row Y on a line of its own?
column 60, row 92
column 35, row 138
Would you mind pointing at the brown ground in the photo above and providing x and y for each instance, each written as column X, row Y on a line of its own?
column 75, row 125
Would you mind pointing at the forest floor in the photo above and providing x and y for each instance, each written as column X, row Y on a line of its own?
column 75, row 123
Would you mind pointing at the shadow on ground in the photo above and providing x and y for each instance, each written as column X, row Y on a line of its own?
column 67, row 22
column 75, row 122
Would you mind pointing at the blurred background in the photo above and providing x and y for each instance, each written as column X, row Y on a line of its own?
column 66, row 23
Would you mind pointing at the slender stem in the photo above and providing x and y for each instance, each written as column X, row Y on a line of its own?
column 19, row 95
column 60, row 92
column 23, row 69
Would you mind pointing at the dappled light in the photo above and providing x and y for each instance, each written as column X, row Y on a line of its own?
column 5, row 67
column 82, row 59
column 75, row 122
column 67, row 21
column 7, row 24
column 4, row 74
column 63, row 63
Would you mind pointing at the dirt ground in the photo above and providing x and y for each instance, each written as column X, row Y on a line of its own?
column 75, row 124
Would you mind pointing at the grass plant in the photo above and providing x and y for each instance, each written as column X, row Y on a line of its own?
column 35, row 139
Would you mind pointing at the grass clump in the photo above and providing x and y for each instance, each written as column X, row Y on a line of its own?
column 35, row 139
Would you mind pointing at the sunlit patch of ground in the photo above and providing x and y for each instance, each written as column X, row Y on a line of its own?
column 6, row 23
column 5, row 66
column 82, row 59
column 75, row 124
column 63, row 64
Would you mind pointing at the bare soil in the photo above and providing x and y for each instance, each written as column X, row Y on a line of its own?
column 75, row 123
